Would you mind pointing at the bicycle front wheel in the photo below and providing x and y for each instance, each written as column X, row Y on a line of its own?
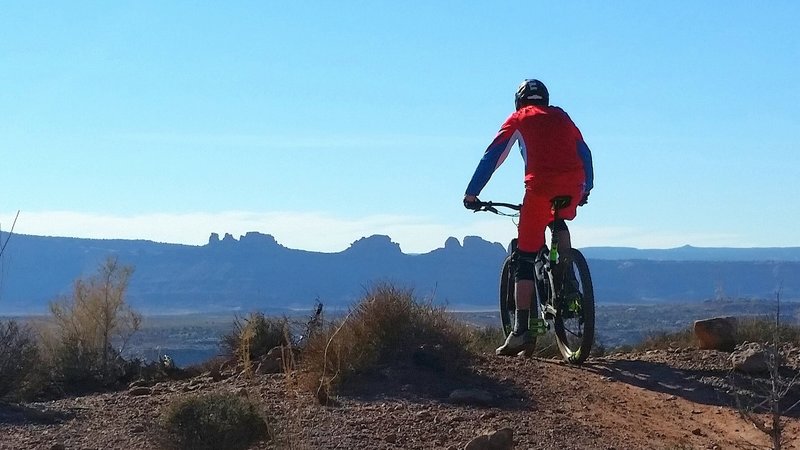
column 507, row 304
column 574, row 321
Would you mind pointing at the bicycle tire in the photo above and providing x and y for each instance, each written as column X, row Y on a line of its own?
column 507, row 304
column 575, row 334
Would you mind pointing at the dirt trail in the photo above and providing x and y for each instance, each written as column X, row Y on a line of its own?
column 658, row 400
column 652, row 405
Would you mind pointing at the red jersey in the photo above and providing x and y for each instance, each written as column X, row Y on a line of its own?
column 551, row 145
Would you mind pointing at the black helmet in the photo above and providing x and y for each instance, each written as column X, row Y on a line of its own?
column 531, row 92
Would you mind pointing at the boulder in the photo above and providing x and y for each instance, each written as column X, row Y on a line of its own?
column 751, row 358
column 499, row 440
column 139, row 390
column 471, row 397
column 717, row 333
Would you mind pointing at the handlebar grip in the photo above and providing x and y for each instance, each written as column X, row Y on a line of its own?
column 475, row 205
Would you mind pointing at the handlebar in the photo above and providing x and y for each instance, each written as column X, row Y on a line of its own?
column 491, row 207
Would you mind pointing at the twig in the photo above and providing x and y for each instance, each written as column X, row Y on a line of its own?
column 325, row 354
column 13, row 224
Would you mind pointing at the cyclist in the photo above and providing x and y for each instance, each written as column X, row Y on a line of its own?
column 557, row 162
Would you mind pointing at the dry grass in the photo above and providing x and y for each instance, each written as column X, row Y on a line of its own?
column 762, row 329
column 664, row 340
column 20, row 362
column 386, row 326
column 90, row 328
column 253, row 336
column 748, row 329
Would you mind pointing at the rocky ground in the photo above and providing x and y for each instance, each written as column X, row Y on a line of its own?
column 666, row 399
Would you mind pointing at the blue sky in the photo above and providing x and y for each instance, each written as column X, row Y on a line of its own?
column 322, row 122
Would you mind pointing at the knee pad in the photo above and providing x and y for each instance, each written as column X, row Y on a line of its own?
column 558, row 225
column 524, row 267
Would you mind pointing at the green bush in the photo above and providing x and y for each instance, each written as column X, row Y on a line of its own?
column 212, row 421
column 20, row 362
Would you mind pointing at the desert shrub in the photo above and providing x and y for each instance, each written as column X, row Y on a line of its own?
column 664, row 340
column 599, row 349
column 213, row 364
column 483, row 340
column 386, row 326
column 762, row 329
column 212, row 421
column 748, row 329
column 151, row 372
column 20, row 362
column 90, row 328
column 253, row 336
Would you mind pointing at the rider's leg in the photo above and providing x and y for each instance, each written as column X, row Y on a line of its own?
column 560, row 229
column 534, row 217
column 523, row 293
column 523, row 296
column 564, row 241
column 574, row 190
column 520, row 339
column 563, row 270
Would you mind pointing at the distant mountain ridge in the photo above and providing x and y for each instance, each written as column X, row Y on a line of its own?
column 256, row 272
column 689, row 253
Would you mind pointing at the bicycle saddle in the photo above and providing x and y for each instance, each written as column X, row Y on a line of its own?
column 560, row 202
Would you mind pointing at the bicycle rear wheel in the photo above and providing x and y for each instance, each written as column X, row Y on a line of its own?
column 574, row 321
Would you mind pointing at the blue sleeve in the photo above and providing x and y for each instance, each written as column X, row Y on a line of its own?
column 494, row 156
column 588, row 169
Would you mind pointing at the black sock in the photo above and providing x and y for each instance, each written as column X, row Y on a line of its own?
column 521, row 321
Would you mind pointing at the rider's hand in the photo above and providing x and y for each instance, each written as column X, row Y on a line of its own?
column 585, row 199
column 471, row 202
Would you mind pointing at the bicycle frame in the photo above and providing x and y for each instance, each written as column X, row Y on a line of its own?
column 570, row 314
column 546, row 298
column 549, row 298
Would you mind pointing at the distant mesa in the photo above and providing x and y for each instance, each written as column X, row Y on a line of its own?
column 251, row 238
column 476, row 243
column 452, row 243
column 374, row 243
column 254, row 237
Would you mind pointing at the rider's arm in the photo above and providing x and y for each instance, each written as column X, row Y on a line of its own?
column 588, row 169
column 494, row 156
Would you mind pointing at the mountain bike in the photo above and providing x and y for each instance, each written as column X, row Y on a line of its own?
column 572, row 319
